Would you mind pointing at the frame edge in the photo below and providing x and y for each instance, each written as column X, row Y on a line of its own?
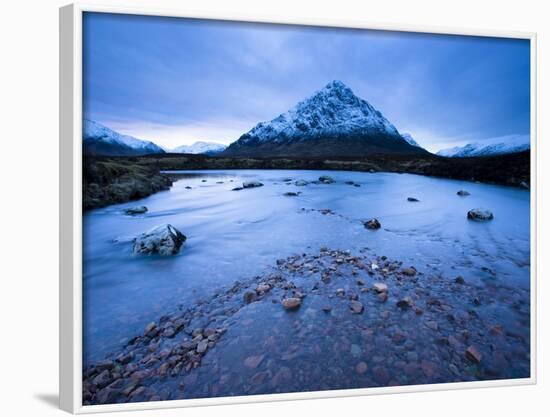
column 66, row 180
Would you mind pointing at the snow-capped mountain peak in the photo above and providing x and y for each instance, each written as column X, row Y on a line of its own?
column 200, row 147
column 335, row 109
column 496, row 146
column 102, row 140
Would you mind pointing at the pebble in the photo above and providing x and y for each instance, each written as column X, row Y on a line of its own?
column 473, row 354
column 252, row 362
column 356, row 307
column 380, row 287
column 361, row 368
column 292, row 303
column 405, row 303
column 459, row 280
column 410, row 272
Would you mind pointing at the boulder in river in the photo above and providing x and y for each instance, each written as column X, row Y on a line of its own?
column 463, row 193
column 480, row 214
column 413, row 199
column 291, row 194
column 163, row 240
column 372, row 224
column 252, row 184
column 136, row 210
column 325, row 179
column 301, row 183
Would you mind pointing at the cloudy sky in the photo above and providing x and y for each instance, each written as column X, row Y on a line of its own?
column 176, row 81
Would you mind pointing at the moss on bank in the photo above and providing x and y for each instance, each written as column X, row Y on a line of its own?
column 111, row 181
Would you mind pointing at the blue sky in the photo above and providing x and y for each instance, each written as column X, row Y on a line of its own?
column 176, row 81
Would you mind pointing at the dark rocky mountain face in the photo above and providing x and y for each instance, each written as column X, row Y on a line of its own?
column 334, row 122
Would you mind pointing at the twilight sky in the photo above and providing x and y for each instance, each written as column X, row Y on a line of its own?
column 176, row 81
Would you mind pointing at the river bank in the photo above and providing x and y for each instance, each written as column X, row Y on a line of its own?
column 337, row 320
column 111, row 180
column 107, row 181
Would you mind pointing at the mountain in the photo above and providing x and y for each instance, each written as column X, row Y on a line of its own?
column 410, row 140
column 207, row 148
column 333, row 122
column 509, row 144
column 100, row 140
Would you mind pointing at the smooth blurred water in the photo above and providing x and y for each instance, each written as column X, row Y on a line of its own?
column 236, row 235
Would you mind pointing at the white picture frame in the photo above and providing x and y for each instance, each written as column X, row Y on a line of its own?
column 70, row 152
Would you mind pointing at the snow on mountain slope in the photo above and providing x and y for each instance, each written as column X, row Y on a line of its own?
column 99, row 139
column 209, row 148
column 504, row 145
column 332, row 122
column 410, row 140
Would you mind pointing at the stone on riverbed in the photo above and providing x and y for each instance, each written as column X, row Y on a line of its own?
column 301, row 183
column 325, row 179
column 356, row 307
column 136, row 210
column 361, row 368
column 410, row 272
column 291, row 194
column 480, row 214
column 252, row 184
column 163, row 240
column 372, row 224
column 405, row 303
column 473, row 354
column 463, row 193
column 413, row 200
column 292, row 303
column 380, row 287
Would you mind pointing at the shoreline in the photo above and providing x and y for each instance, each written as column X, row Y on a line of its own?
column 114, row 180
column 389, row 323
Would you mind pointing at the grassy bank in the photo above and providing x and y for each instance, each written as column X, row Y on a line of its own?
column 117, row 180
column 512, row 169
column 111, row 180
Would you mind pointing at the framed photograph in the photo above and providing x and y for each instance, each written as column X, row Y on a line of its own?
column 259, row 210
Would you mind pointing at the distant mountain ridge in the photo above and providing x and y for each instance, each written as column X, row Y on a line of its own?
column 333, row 122
column 206, row 148
column 508, row 145
column 98, row 139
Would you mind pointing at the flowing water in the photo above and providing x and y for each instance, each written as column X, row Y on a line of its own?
column 237, row 235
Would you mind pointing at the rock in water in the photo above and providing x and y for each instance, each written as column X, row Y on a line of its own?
column 361, row 368
column 356, row 307
column 473, row 354
column 136, row 210
column 252, row 184
column 413, row 200
column 380, row 287
column 301, row 183
column 291, row 194
column 164, row 240
column 292, row 303
column 463, row 193
column 410, row 272
column 372, row 224
column 325, row 179
column 405, row 303
column 480, row 214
